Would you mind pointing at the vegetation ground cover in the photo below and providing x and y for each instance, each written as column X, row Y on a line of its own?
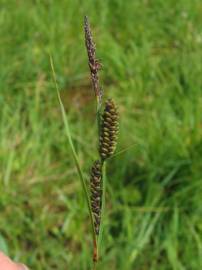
column 151, row 55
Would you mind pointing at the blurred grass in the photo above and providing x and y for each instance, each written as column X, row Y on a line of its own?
column 151, row 52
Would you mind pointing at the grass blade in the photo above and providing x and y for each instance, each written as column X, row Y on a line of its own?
column 75, row 157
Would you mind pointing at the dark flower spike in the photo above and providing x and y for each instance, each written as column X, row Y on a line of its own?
column 96, row 193
column 94, row 63
column 108, row 130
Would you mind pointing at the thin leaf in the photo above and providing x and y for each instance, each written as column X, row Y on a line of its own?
column 75, row 157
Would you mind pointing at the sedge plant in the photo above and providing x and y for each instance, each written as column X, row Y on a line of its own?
column 107, row 129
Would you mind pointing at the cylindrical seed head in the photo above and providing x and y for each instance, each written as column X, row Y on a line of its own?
column 108, row 130
column 96, row 193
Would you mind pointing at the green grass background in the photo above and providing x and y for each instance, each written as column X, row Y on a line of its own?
column 151, row 52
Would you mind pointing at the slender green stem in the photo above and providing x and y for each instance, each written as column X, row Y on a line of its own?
column 98, row 115
column 79, row 170
column 94, row 265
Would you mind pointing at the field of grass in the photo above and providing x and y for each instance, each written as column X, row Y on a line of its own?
column 151, row 52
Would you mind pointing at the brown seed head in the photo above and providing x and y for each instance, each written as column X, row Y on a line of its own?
column 96, row 193
column 94, row 63
column 109, row 130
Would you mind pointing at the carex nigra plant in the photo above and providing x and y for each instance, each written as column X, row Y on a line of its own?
column 107, row 121
column 107, row 127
